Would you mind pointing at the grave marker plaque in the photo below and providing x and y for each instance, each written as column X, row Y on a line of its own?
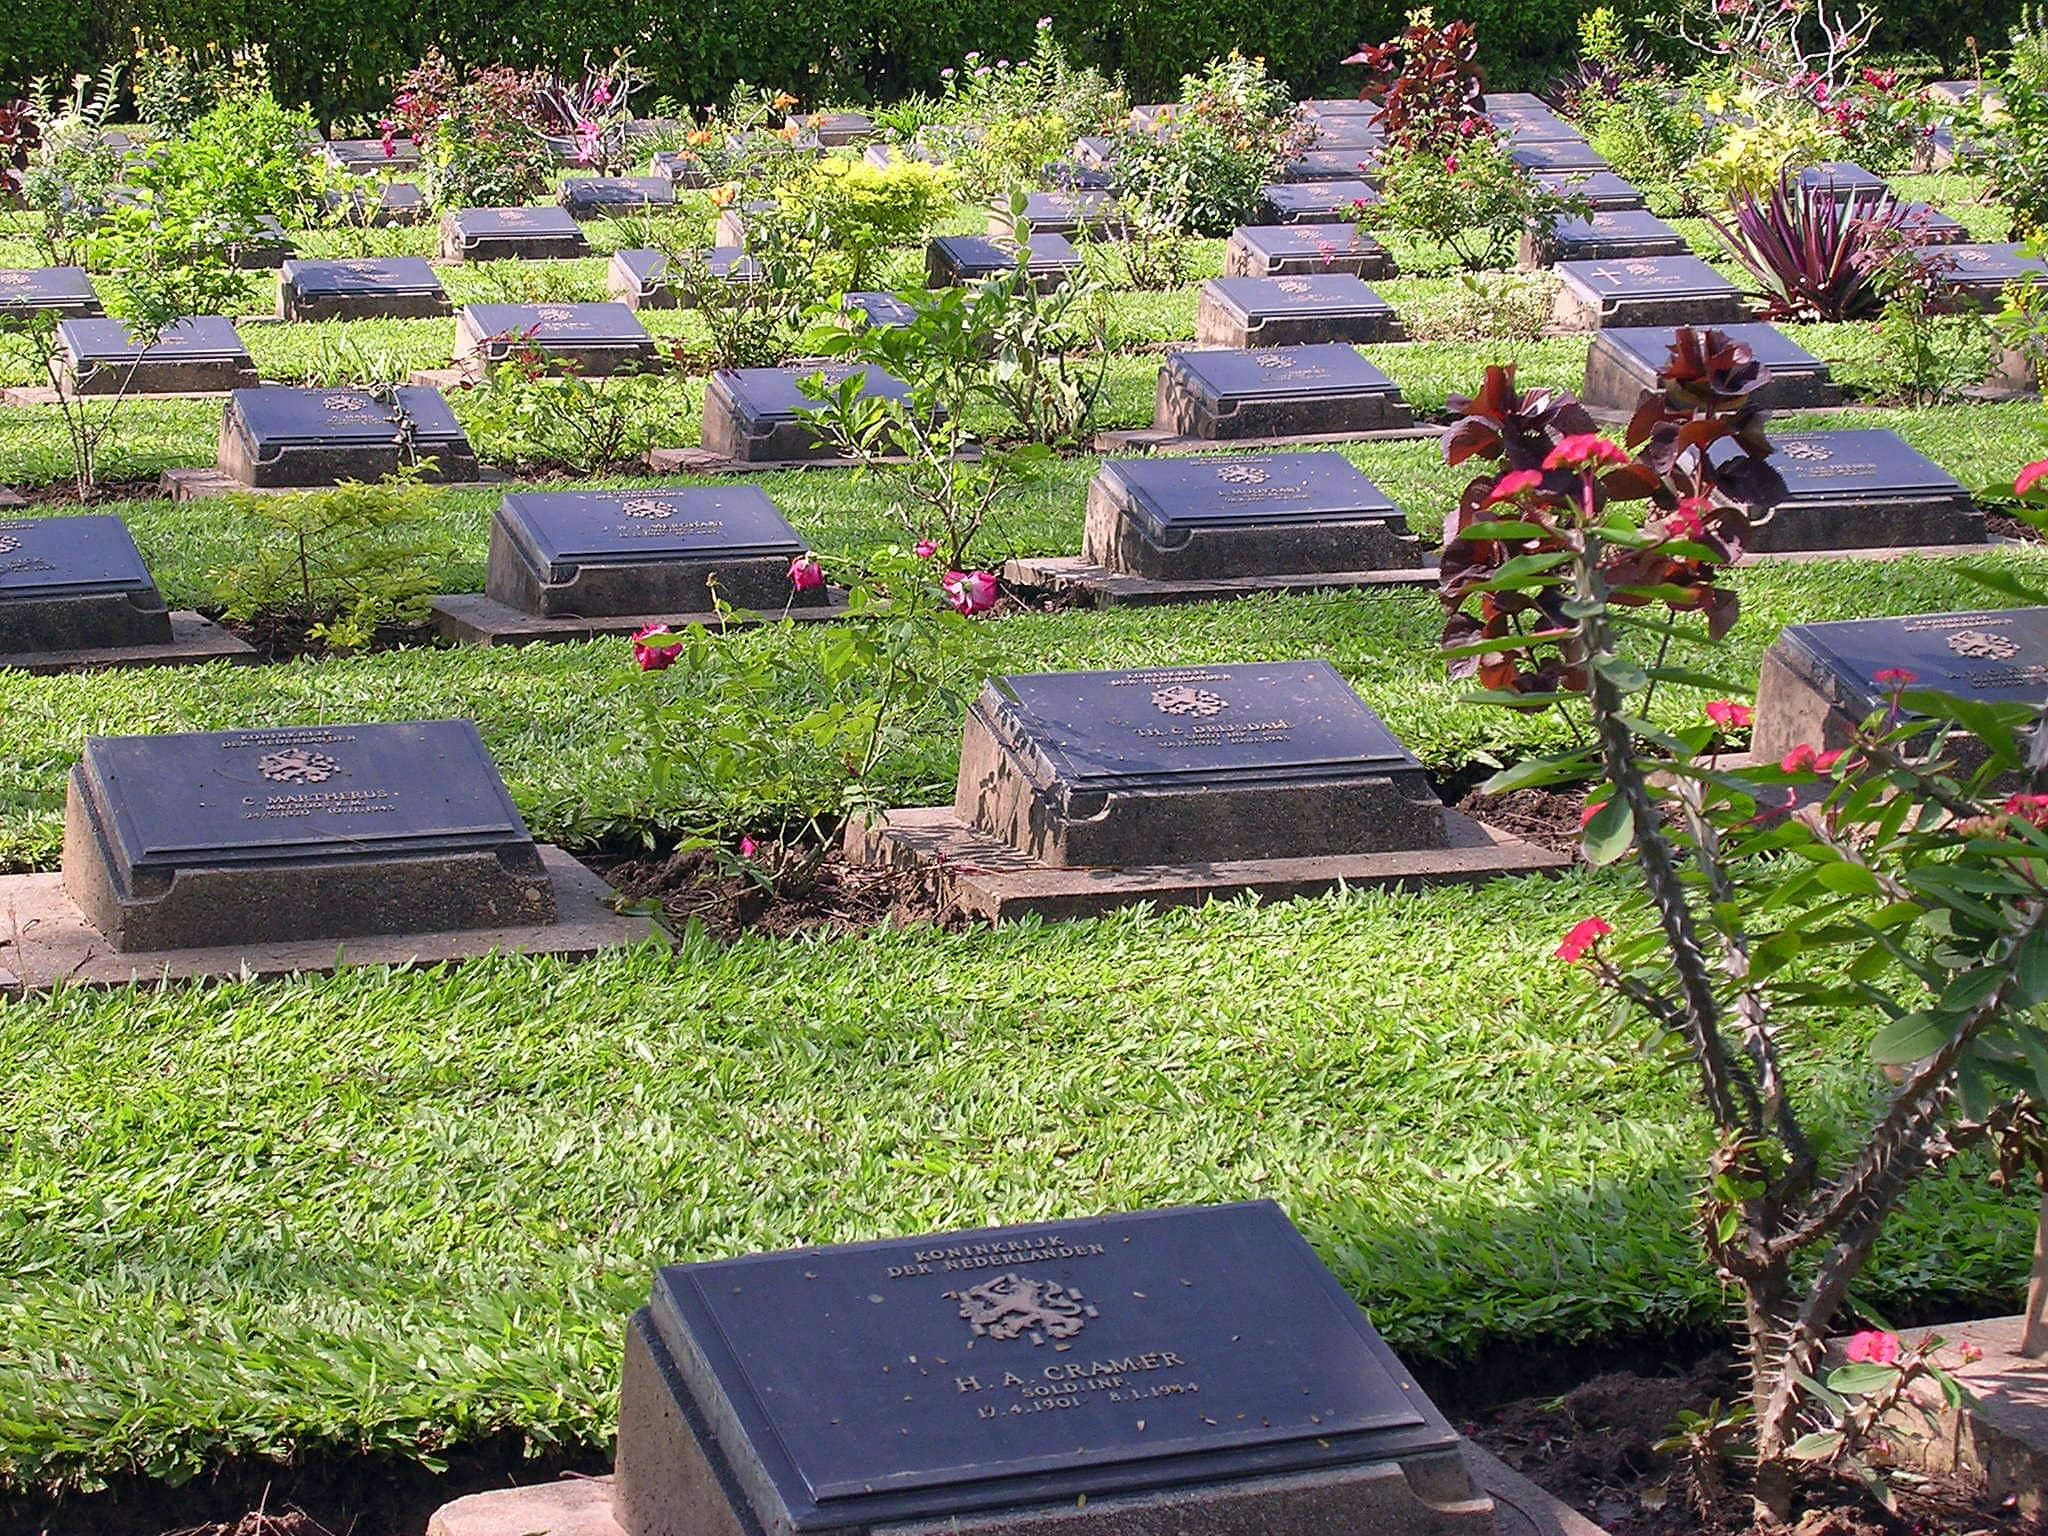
column 1292, row 311
column 1331, row 162
column 369, row 157
column 1357, row 133
column 1281, row 514
column 394, row 287
column 1624, row 361
column 759, row 415
column 1557, row 156
column 1980, row 273
column 1305, row 250
column 1276, row 392
column 1645, row 290
column 266, row 249
column 511, row 234
column 1544, row 127
column 591, row 554
column 731, row 228
column 1602, row 191
column 382, row 206
column 230, row 837
column 197, row 356
column 679, row 168
column 63, row 291
column 604, row 197
column 1619, row 234
column 836, row 129
column 879, row 309
column 74, row 584
column 1195, row 1371
column 956, row 260
column 1189, row 765
column 277, row 437
column 642, row 280
column 1317, row 202
column 1819, row 682
column 1861, row 489
column 1078, row 211
column 595, row 340
column 1844, row 183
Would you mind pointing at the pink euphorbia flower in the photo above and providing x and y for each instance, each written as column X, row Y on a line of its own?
column 1895, row 678
column 1806, row 758
column 805, row 574
column 1873, row 1347
column 1585, row 933
column 653, row 658
column 1584, row 450
column 925, row 549
column 2033, row 808
column 748, row 847
column 2030, row 477
column 1728, row 715
column 1512, row 484
column 970, row 592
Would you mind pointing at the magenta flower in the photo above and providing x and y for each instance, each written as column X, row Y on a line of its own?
column 1895, row 677
column 970, row 592
column 653, row 658
column 1584, row 450
column 2030, row 477
column 925, row 549
column 1512, row 484
column 1585, row 933
column 1728, row 715
column 805, row 574
column 1872, row 1347
column 748, row 847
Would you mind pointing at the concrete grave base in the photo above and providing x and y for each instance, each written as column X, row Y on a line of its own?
column 45, row 939
column 982, row 876
column 204, row 484
column 1099, row 587
column 471, row 618
column 582, row 1506
column 2000, row 1434
column 193, row 639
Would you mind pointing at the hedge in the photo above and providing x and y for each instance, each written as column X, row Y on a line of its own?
column 340, row 55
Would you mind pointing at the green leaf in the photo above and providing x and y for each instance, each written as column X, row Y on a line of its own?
column 1908, row 1038
column 1818, row 1446
column 1536, row 771
column 1861, row 1380
column 1846, row 879
column 1608, row 834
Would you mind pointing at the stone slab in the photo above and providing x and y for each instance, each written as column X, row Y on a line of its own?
column 60, row 291
column 1643, row 291
column 370, row 157
column 198, row 356
column 1300, row 250
column 2000, row 1434
column 194, row 639
column 1556, row 156
column 1333, row 162
column 47, row 942
column 982, row 877
column 1316, row 202
column 1624, row 361
column 1275, row 393
column 758, row 414
column 836, row 130
column 1620, row 233
column 878, row 309
column 1602, row 191
column 395, row 288
column 641, row 279
column 1077, row 579
column 594, row 340
column 76, row 584
column 956, row 260
column 1268, row 312
column 1980, row 272
column 511, row 234
column 472, row 618
column 379, row 205
column 679, row 168
column 1081, row 211
column 280, row 437
column 606, row 197
column 1843, row 181
column 1861, row 487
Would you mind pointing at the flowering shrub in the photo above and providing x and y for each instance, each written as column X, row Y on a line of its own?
column 2008, row 130
column 590, row 112
column 479, row 133
column 1468, row 197
column 853, row 212
column 1227, row 136
column 67, row 166
column 1887, row 882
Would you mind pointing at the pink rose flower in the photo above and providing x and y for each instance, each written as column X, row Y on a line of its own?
column 970, row 592
column 805, row 574
column 653, row 658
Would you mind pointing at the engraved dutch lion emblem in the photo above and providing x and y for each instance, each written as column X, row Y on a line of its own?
column 1183, row 700
column 646, row 506
column 8, row 543
column 1982, row 645
column 13, row 279
column 1011, row 1307
column 1273, row 360
column 1808, row 453
column 1241, row 474
column 297, row 765
column 555, row 312
column 342, row 403
column 1292, row 285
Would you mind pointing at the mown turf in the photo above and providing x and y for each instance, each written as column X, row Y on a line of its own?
column 394, row 1211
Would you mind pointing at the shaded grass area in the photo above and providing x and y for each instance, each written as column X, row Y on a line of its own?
column 399, row 1211
column 561, row 720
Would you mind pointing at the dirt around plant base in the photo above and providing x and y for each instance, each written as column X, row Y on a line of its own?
column 694, row 885
column 1549, row 818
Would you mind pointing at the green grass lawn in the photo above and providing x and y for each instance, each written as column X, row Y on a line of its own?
column 394, row 1211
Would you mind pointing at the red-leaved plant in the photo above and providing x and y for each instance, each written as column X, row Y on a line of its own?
column 1899, row 886
column 1814, row 257
column 1426, row 83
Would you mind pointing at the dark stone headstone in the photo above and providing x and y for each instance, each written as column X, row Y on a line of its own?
column 1276, row 392
column 679, row 168
column 591, row 554
column 642, row 280
column 1819, row 682
column 233, row 837
column 511, row 234
column 879, row 309
column 1192, row 765
column 379, row 205
column 1861, row 489
column 1322, row 109
column 833, row 129
column 731, row 228
column 1557, row 155
column 1619, row 234
column 1353, row 132
column 1843, row 182
column 1082, row 210
column 1095, row 151
column 74, row 584
column 1292, row 311
column 1979, row 273
column 1331, row 163
column 1625, row 360
column 1930, row 224
column 265, row 250
column 1191, row 1371
column 595, row 340
column 1544, row 127
column 391, row 287
column 368, row 157
column 758, row 415
column 952, row 260
column 197, row 356
column 1505, row 106
column 1645, row 290
column 1153, row 115
column 756, row 143
column 63, row 291
column 604, row 197
column 1301, row 250
column 1316, row 202
column 276, row 437
column 1602, row 191
column 1171, row 518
